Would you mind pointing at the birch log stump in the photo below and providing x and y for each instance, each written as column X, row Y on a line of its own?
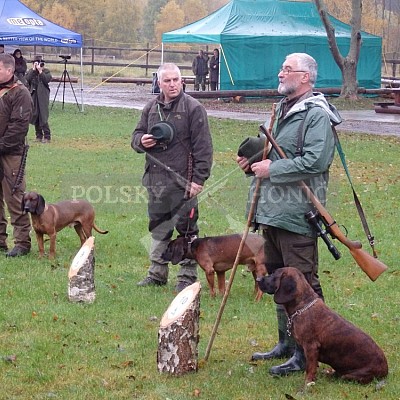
column 81, row 286
column 178, row 337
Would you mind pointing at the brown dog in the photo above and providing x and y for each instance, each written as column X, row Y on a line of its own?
column 324, row 335
column 50, row 218
column 217, row 255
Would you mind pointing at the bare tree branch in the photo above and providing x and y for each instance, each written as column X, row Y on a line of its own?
column 347, row 64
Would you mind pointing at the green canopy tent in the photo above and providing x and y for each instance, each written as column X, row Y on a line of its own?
column 254, row 37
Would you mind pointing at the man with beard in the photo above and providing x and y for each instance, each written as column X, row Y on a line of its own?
column 303, row 130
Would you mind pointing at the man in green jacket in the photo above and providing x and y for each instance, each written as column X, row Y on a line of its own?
column 303, row 130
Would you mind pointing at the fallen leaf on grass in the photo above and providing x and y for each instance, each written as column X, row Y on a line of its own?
column 125, row 364
column 11, row 359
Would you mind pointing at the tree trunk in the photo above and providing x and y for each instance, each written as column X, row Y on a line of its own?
column 349, row 83
column 81, row 286
column 348, row 64
column 178, row 336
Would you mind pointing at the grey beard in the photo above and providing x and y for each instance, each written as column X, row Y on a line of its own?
column 285, row 90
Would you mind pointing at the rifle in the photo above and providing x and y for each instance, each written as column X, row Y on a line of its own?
column 369, row 264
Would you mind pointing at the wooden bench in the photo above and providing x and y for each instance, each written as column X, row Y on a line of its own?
column 390, row 107
column 59, row 79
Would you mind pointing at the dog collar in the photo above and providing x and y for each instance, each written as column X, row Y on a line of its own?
column 189, row 244
column 298, row 312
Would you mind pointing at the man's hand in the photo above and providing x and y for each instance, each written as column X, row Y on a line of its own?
column 261, row 169
column 195, row 189
column 243, row 163
column 148, row 141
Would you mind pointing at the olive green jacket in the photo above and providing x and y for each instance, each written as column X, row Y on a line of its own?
column 282, row 203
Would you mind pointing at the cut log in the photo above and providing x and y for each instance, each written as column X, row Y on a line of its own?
column 81, row 287
column 178, row 337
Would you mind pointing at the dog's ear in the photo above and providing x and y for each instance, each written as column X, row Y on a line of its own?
column 286, row 289
column 167, row 254
column 178, row 250
column 40, row 205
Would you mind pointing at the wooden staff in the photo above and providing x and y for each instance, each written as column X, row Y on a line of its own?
column 242, row 243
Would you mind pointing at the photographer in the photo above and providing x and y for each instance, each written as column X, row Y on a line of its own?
column 38, row 79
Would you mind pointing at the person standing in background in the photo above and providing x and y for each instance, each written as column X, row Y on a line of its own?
column 20, row 66
column 200, row 70
column 214, row 70
column 38, row 79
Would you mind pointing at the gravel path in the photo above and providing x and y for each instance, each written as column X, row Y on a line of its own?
column 136, row 96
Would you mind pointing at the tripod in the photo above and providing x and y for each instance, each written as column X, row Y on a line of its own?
column 64, row 78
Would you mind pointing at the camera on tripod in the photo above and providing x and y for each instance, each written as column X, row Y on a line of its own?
column 64, row 57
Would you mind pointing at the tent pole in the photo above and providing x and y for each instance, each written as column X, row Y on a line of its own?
column 82, row 79
column 227, row 66
column 219, row 69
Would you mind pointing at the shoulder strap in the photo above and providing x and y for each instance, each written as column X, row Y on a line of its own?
column 300, row 137
column 7, row 89
column 357, row 202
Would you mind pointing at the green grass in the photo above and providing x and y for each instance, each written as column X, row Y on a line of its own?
column 51, row 348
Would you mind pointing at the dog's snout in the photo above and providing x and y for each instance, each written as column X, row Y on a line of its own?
column 27, row 205
column 266, row 284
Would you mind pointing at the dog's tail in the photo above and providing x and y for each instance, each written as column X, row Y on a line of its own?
column 97, row 229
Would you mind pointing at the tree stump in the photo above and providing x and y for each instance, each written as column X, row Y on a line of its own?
column 178, row 336
column 81, row 286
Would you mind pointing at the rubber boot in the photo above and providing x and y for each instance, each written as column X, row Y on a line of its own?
column 286, row 344
column 295, row 364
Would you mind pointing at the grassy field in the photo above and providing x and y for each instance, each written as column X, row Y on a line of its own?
column 53, row 349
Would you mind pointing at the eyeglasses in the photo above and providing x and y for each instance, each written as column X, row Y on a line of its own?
column 287, row 71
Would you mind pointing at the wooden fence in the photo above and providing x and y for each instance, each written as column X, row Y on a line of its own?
column 147, row 58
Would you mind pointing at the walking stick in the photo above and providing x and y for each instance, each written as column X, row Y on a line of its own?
column 253, row 204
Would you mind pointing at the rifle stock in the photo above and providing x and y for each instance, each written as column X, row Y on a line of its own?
column 369, row 264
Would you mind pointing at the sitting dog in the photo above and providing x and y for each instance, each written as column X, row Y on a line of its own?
column 217, row 255
column 324, row 335
column 51, row 218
